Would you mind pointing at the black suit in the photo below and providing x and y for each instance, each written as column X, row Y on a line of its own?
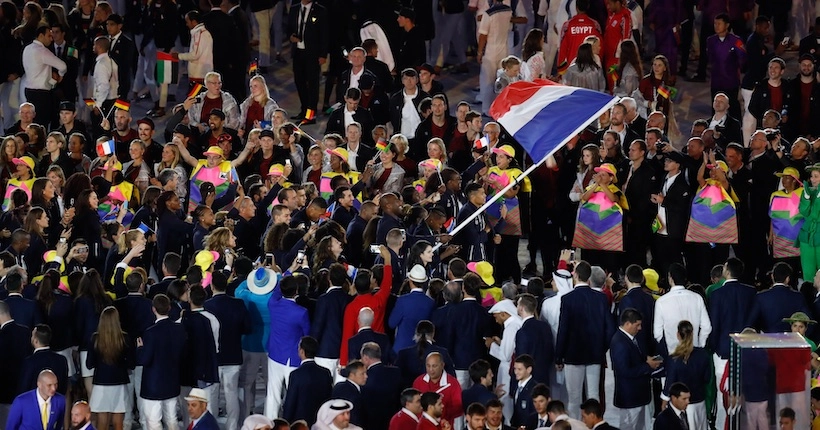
column 532, row 421
column 241, row 51
column 355, row 343
column 124, row 53
column 23, row 311
column 136, row 314
column 344, row 82
column 381, row 395
column 668, row 420
column 160, row 287
column 312, row 30
column 39, row 361
column 347, row 390
column 535, row 338
column 327, row 325
column 234, row 321
column 15, row 341
column 677, row 202
column 226, row 47
column 336, row 123
column 309, row 386
column 66, row 89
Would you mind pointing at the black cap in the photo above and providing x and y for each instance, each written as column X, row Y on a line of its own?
column 148, row 121
column 267, row 133
column 366, row 82
column 429, row 68
column 115, row 18
column 807, row 57
column 217, row 112
column 67, row 105
column 183, row 130
column 408, row 13
column 675, row 156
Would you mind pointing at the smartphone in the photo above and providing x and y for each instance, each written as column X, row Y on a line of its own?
column 786, row 40
column 287, row 162
column 300, row 256
column 374, row 249
column 572, row 255
column 268, row 259
column 403, row 234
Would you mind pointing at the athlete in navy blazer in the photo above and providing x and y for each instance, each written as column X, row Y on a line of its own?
column 411, row 362
column 638, row 299
column 778, row 302
column 43, row 358
column 668, row 420
column 633, row 374
column 135, row 314
column 522, row 401
column 347, row 390
column 584, row 315
column 382, row 390
column 534, row 338
column 25, row 410
column 23, row 311
column 160, row 354
column 409, row 310
column 476, row 394
column 234, row 321
column 200, row 363
column 470, row 324
column 729, row 307
column 15, row 342
column 309, row 385
column 329, row 318
column 354, row 344
column 206, row 422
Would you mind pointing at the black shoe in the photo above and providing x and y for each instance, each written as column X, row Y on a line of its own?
column 697, row 78
column 530, row 271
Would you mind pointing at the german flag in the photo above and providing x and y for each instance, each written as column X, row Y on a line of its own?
column 562, row 68
column 122, row 105
column 382, row 145
column 664, row 91
column 90, row 102
column 310, row 114
column 195, row 90
column 253, row 68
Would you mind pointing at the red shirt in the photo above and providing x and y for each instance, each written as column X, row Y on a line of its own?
column 255, row 113
column 777, row 97
column 207, row 106
column 404, row 421
column 426, row 424
column 436, row 130
column 805, row 105
column 377, row 302
column 618, row 28
column 450, row 391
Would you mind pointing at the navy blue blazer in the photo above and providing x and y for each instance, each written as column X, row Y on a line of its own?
column 476, row 394
column 409, row 310
column 439, row 317
column 668, row 420
column 522, row 402
column 86, row 321
column 328, row 321
column 584, row 315
column 309, row 386
column 24, row 311
column 160, row 287
column 381, row 395
column 532, row 421
column 728, row 310
column 161, row 355
column 641, row 301
column 348, row 391
column 206, row 422
column 695, row 373
column 632, row 374
column 412, row 363
column 112, row 373
column 234, row 320
column 354, row 345
column 136, row 314
column 25, row 413
column 470, row 323
column 535, row 338
column 355, row 246
column 61, row 320
column 39, row 361
column 200, row 362
column 386, row 223
column 771, row 306
column 15, row 342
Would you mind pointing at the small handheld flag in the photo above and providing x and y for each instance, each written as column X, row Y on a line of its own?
column 663, row 91
column 144, row 228
column 122, row 105
column 450, row 224
column 197, row 88
column 105, row 148
column 562, row 68
column 90, row 103
column 167, row 71
column 253, row 69
column 310, row 114
column 382, row 145
column 266, row 125
column 482, row 143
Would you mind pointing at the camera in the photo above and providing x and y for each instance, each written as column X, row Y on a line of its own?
column 374, row 249
column 772, row 135
column 660, row 146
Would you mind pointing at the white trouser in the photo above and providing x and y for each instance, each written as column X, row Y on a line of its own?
column 504, row 380
column 68, row 354
column 213, row 401
column 696, row 415
column 633, row 418
column 800, row 403
column 229, row 382
column 134, row 388
column 749, row 123
column 277, row 387
column 146, row 70
column 577, row 375
column 463, row 377
column 756, row 415
column 558, row 385
column 720, row 366
column 157, row 411
column 331, row 364
column 486, row 80
column 551, row 50
column 253, row 363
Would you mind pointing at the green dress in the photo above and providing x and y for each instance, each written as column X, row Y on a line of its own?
column 809, row 237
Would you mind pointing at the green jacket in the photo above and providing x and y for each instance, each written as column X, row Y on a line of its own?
column 810, row 209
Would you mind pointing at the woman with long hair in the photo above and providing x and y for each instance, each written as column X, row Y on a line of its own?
column 111, row 356
column 630, row 70
column 421, row 253
column 86, row 225
column 584, row 72
column 44, row 195
column 8, row 153
column 590, row 159
column 35, row 224
column 411, row 360
column 74, row 185
column 533, row 54
column 411, row 169
column 258, row 107
column 89, row 303
column 327, row 252
column 27, row 30
column 691, row 365
column 436, row 150
column 171, row 160
column 659, row 76
column 221, row 240
column 57, row 308
column 388, row 177
column 315, row 161
column 56, row 175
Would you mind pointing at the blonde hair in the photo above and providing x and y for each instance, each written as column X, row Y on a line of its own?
column 261, row 79
column 124, row 240
column 686, row 345
column 440, row 143
column 218, row 239
column 177, row 156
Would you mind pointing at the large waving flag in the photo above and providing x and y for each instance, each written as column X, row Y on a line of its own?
column 542, row 115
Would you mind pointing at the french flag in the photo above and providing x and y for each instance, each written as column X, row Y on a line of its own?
column 543, row 115
column 106, row 148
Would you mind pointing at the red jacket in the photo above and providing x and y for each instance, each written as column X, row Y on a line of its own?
column 618, row 28
column 426, row 424
column 403, row 420
column 450, row 391
column 377, row 302
column 573, row 33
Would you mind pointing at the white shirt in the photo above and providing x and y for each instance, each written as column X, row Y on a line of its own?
column 37, row 63
column 661, row 209
column 410, row 414
column 348, row 116
column 573, row 423
column 504, row 352
column 430, row 418
column 106, row 80
column 497, row 28
column 304, row 13
column 40, row 402
column 675, row 306
column 354, row 78
column 410, row 118
column 352, row 154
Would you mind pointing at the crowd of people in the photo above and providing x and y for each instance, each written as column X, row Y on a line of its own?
column 157, row 270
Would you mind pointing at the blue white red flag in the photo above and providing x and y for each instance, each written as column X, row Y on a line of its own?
column 542, row 115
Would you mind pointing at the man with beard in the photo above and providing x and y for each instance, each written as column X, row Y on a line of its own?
column 123, row 133
column 81, row 416
column 804, row 102
column 216, row 127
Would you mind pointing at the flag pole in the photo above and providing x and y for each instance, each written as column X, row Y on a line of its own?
column 529, row 170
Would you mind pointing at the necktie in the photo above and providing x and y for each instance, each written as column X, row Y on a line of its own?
column 59, row 51
column 541, row 422
column 44, row 415
column 191, row 425
column 684, row 421
column 302, row 22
